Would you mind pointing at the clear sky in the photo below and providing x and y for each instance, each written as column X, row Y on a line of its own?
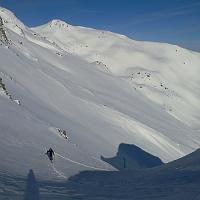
column 171, row 21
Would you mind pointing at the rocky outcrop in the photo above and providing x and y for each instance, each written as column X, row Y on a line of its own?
column 3, row 88
column 3, row 37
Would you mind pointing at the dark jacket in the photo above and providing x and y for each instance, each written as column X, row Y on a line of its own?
column 50, row 153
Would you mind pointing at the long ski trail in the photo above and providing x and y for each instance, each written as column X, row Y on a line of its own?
column 81, row 164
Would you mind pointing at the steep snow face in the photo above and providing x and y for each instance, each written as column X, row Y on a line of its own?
column 11, row 22
column 166, row 74
column 53, row 90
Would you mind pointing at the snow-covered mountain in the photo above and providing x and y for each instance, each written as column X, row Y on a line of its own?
column 101, row 88
column 166, row 74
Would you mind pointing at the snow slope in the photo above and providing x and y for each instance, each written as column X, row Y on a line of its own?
column 87, row 82
column 166, row 74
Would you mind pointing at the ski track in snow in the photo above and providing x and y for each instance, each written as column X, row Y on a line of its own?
column 60, row 174
column 81, row 164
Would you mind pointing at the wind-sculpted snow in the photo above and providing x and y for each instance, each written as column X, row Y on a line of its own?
column 103, row 88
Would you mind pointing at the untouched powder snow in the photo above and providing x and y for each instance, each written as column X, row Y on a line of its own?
column 166, row 74
column 102, row 88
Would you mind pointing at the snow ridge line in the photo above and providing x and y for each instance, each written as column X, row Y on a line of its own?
column 88, row 166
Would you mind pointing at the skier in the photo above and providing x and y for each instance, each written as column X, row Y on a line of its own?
column 50, row 153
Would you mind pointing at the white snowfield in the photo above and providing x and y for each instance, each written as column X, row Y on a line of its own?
column 102, row 88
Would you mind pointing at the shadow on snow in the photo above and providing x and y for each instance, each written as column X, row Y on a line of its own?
column 32, row 189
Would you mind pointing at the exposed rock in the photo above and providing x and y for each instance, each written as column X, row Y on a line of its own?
column 3, row 37
column 63, row 133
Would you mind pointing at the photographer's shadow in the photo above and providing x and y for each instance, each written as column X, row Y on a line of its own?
column 32, row 189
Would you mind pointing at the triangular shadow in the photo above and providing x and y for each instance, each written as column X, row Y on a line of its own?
column 131, row 157
column 32, row 189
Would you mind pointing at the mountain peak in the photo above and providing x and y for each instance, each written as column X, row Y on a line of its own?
column 58, row 23
column 4, row 11
column 9, row 19
column 53, row 25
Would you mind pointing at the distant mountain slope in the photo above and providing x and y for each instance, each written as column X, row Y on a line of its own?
column 166, row 74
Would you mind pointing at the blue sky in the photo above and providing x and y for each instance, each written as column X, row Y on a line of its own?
column 171, row 21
